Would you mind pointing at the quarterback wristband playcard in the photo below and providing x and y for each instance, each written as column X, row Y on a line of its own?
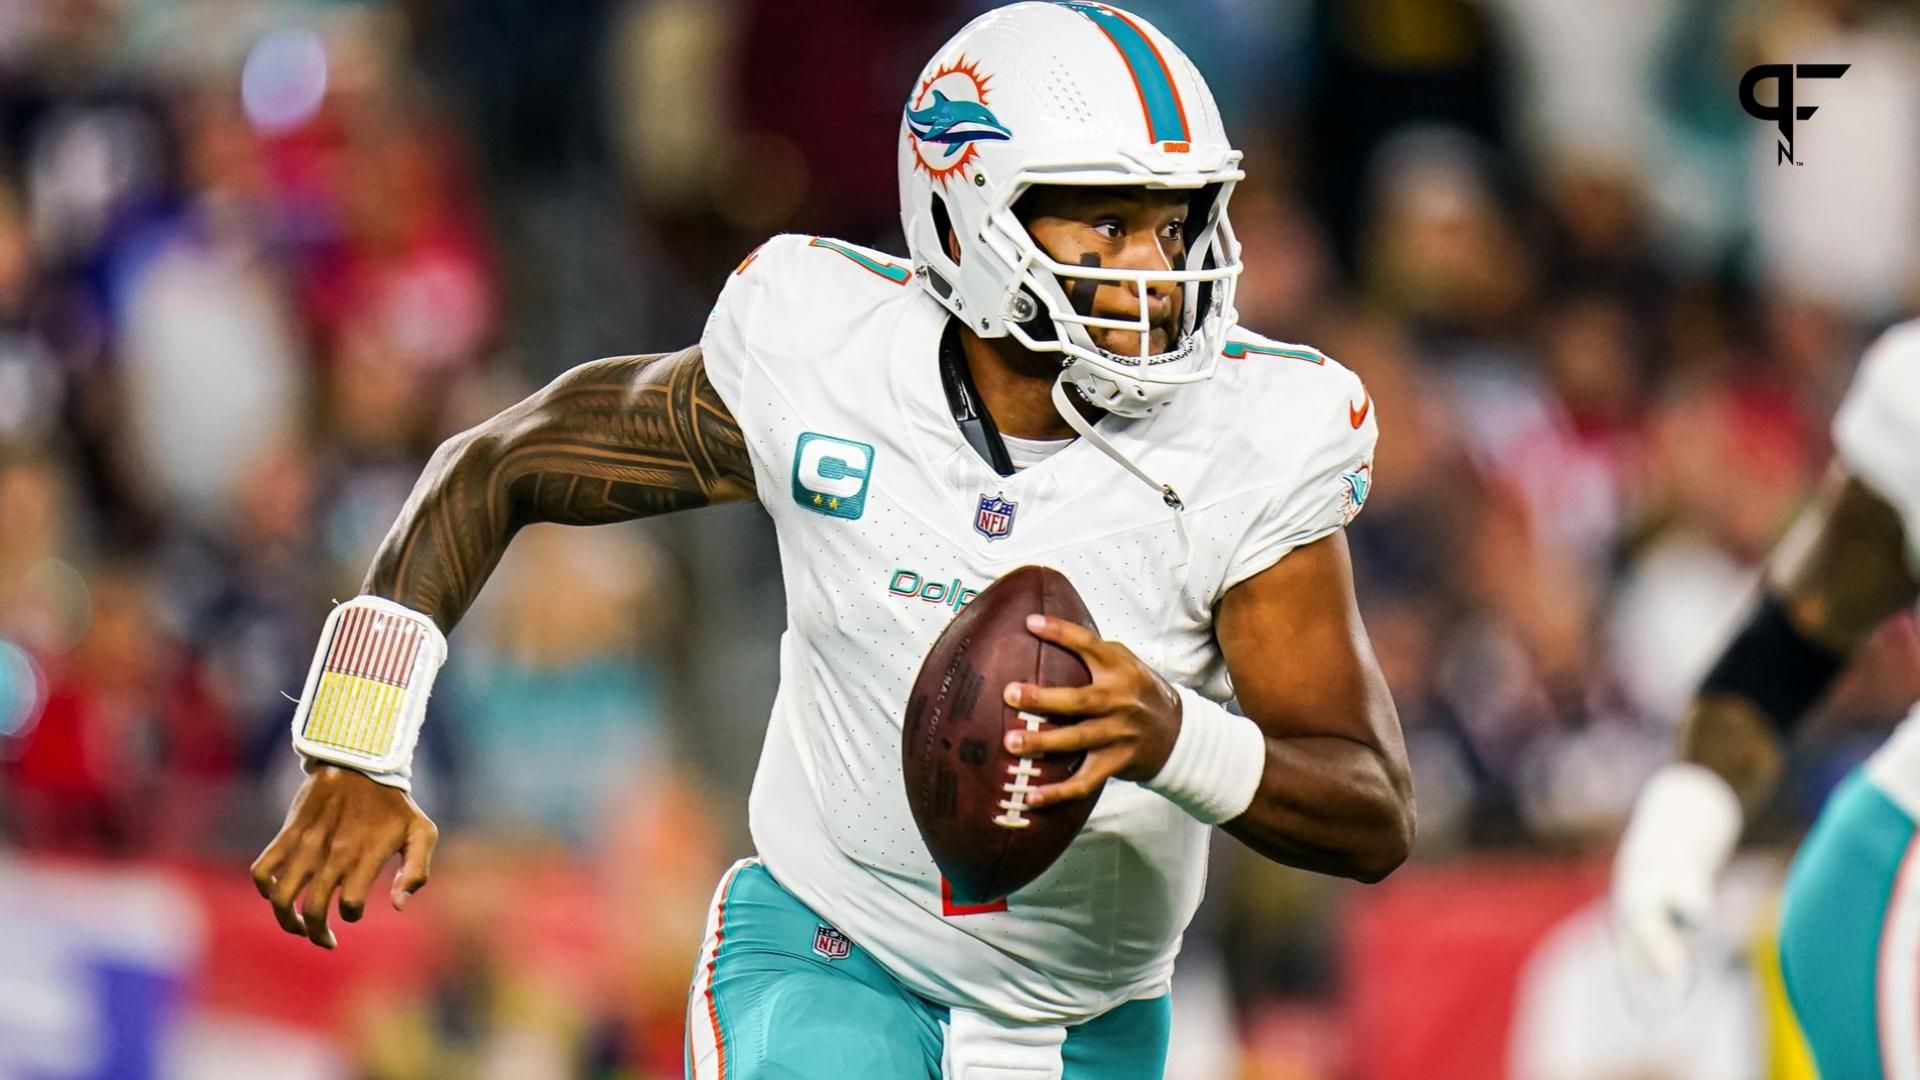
column 366, row 694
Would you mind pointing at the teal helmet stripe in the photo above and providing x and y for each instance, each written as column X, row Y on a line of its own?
column 1166, row 115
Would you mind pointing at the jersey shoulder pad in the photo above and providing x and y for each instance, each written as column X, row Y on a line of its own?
column 1876, row 433
column 1291, row 402
column 1295, row 460
column 792, row 293
column 797, row 275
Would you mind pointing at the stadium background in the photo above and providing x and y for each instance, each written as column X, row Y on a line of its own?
column 256, row 259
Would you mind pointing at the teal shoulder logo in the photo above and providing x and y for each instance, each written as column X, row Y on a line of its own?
column 1355, row 486
column 830, row 475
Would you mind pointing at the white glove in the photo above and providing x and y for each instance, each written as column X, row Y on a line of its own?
column 1681, row 835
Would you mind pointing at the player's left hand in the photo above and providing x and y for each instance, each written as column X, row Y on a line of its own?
column 1126, row 719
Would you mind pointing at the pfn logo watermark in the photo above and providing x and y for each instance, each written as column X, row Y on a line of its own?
column 1782, row 111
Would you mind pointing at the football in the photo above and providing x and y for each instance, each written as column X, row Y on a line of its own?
column 967, row 792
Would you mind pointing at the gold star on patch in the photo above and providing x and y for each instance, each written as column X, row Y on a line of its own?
column 833, row 504
column 816, row 500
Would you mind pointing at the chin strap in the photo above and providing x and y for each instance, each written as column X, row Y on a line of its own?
column 1079, row 423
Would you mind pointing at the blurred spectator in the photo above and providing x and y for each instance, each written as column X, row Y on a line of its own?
column 212, row 367
column 557, row 695
column 1582, row 76
column 128, row 748
column 32, row 384
column 1381, row 66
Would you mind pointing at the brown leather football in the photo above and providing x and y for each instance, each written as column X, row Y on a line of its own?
column 966, row 790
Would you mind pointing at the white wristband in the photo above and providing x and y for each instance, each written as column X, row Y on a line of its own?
column 366, row 693
column 1688, row 816
column 1217, row 761
column 401, row 778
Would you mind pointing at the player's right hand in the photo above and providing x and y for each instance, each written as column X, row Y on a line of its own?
column 1658, row 912
column 341, row 829
column 1681, row 834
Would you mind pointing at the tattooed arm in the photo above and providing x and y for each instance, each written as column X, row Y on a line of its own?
column 612, row 440
column 1838, row 574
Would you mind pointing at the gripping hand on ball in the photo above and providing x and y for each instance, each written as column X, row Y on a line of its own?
column 1125, row 720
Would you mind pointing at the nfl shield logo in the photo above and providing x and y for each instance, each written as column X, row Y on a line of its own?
column 831, row 943
column 995, row 518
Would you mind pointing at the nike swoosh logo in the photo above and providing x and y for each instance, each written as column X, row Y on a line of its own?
column 1359, row 416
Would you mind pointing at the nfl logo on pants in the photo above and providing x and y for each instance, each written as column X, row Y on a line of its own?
column 995, row 518
column 831, row 943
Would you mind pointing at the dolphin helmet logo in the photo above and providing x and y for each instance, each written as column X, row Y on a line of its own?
column 948, row 116
column 954, row 124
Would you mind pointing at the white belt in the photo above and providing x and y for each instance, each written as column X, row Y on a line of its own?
column 982, row 1047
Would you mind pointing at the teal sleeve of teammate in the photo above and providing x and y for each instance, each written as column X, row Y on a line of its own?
column 1850, row 936
column 781, row 995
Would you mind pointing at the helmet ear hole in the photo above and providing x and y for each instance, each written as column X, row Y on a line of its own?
column 1203, row 294
column 1203, row 210
column 943, row 228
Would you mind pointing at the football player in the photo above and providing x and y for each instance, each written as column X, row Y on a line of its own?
column 1850, row 921
column 1054, row 376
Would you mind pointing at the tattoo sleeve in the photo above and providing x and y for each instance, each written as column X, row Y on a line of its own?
column 1843, row 569
column 1839, row 574
column 611, row 440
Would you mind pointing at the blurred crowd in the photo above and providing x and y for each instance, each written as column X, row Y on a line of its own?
column 257, row 259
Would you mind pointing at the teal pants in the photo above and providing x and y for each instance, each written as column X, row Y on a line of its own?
column 781, row 995
column 1850, row 937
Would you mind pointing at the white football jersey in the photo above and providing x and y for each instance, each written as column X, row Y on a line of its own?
column 889, row 523
column 1877, row 437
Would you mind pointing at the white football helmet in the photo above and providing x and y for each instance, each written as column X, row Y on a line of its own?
column 1067, row 93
